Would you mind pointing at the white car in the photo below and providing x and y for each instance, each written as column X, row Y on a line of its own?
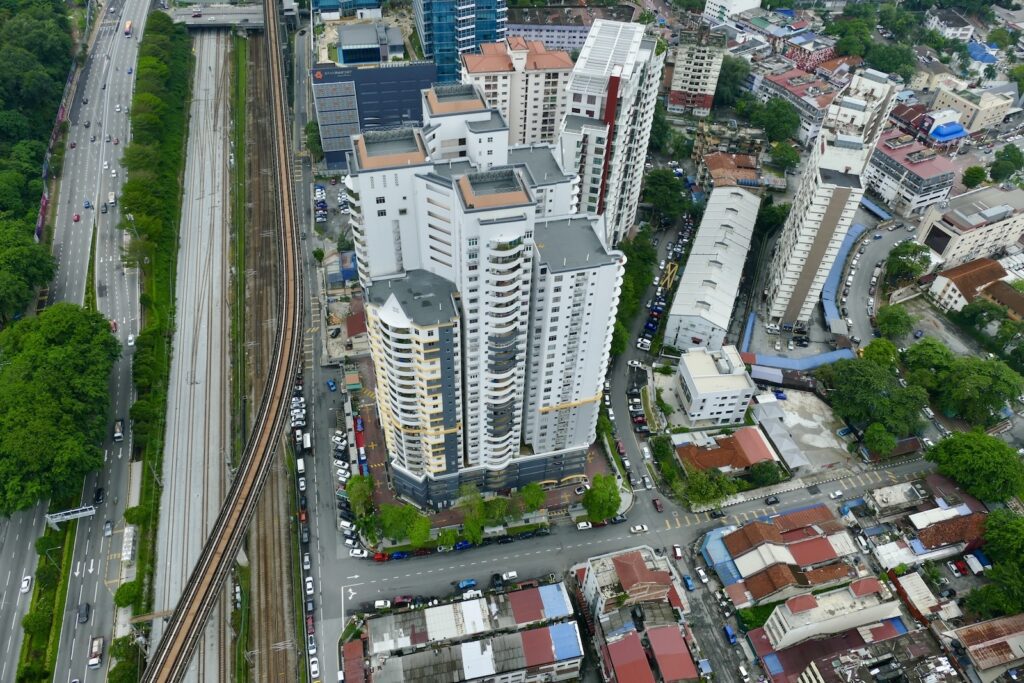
column 703, row 576
column 635, row 364
column 835, row 494
column 351, row 543
column 131, row 340
column 305, row 561
column 339, row 439
column 343, row 464
column 26, row 584
column 302, row 484
column 314, row 668
column 343, row 475
column 309, row 585
column 583, row 526
column 928, row 443
column 611, row 415
column 358, row 552
column 117, row 107
column 638, row 529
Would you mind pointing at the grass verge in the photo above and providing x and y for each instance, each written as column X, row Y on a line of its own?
column 240, row 623
column 90, row 277
column 239, row 387
column 417, row 46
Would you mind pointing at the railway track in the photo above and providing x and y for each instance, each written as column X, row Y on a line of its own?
column 170, row 661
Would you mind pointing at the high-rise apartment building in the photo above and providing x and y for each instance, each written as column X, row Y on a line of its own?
column 698, row 61
column 603, row 138
column 490, row 302
column 524, row 81
column 717, row 11
column 827, row 198
column 448, row 28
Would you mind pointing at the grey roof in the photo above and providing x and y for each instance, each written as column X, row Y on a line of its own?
column 539, row 163
column 575, row 122
column 494, row 122
column 424, row 297
column 451, row 169
column 395, row 37
column 361, row 35
column 839, row 178
column 571, row 244
column 984, row 206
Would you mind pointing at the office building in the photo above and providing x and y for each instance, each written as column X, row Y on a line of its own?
column 717, row 11
column 976, row 224
column 603, row 138
column 715, row 386
column 908, row 175
column 697, row 63
column 827, row 197
column 702, row 306
column 979, row 109
column 449, row 28
column 490, row 302
column 949, row 23
column 526, row 82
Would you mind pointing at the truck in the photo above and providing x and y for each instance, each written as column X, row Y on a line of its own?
column 973, row 563
column 307, row 442
column 119, row 429
column 111, row 198
column 983, row 558
column 95, row 652
column 128, row 29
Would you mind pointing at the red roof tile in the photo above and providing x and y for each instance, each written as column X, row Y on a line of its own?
column 352, row 655
column 770, row 580
column 355, row 325
column 826, row 574
column 973, row 275
column 812, row 551
column 750, row 536
column 801, row 603
column 671, row 654
column 526, row 606
column 629, row 660
column 963, row 529
column 867, row 586
column 632, row 571
column 801, row 518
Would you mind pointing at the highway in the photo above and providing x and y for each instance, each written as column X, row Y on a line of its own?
column 88, row 174
column 197, row 443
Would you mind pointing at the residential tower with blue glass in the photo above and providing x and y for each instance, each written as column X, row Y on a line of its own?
column 448, row 28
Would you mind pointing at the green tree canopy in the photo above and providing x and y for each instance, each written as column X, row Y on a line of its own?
column 419, row 531
column 602, row 499
column 980, row 312
column 864, row 392
column 765, row 474
column 1001, row 170
column 730, row 80
column 883, row 352
column 707, row 487
column 974, row 176
column 1004, row 536
column 785, row 155
column 878, row 440
column 975, row 388
column 929, row 354
column 779, row 119
column 906, row 261
column 395, row 520
column 1011, row 154
column 532, row 496
column 660, row 128
column 986, row 467
column 54, row 398
column 24, row 265
column 360, row 494
column 665, row 193
column 894, row 321
column 770, row 218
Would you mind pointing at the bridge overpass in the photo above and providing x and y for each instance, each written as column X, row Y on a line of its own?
column 248, row 17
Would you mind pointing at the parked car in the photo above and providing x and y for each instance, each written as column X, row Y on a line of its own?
column 953, row 569
column 332, row 385
column 583, row 526
column 702, row 575
column 639, row 529
column 689, row 583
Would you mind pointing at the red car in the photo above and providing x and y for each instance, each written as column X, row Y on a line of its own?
column 113, row 326
column 962, row 566
column 657, row 504
column 76, row 218
column 640, row 420
column 310, row 626
column 380, row 557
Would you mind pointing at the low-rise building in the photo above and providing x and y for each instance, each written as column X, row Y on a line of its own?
column 721, row 169
column 978, row 109
column 704, row 300
column 730, row 454
column 949, row 23
column 522, row 636
column 1003, row 294
column 810, row 95
column 907, row 175
column 711, row 137
column 719, row 10
column 954, row 288
column 993, row 647
column 714, row 386
column 558, row 30
column 912, row 657
column 808, row 50
column 864, row 602
column 369, row 43
column 977, row 224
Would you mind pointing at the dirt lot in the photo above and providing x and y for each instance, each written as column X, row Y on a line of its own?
column 933, row 323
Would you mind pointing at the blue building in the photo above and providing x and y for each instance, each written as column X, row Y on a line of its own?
column 447, row 28
column 353, row 99
column 345, row 7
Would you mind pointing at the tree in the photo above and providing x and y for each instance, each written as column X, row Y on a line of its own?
column 975, row 388
column 37, row 623
column 318, row 254
column 764, row 474
column 785, row 155
column 770, row 218
column 136, row 515
column 24, row 265
column 984, row 466
column 1001, row 37
column 533, row 496
column 128, row 593
column 54, row 396
column 1000, row 171
column 929, row 354
column 974, row 176
column 47, row 575
column 899, row 59
column 664, row 191
column 316, row 149
column 395, row 520
column 660, row 128
column 472, row 505
column 730, row 80
column 602, row 499
column 894, row 322
column 496, row 509
column 906, row 261
column 980, row 312
column 883, row 352
column 447, row 537
column 779, row 118
column 878, row 440
column 419, row 531
column 864, row 392
column 646, row 17
column 360, row 494
column 1011, row 154
column 1004, row 535
column 707, row 487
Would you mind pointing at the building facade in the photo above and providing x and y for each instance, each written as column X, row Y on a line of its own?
column 526, row 82
column 704, row 300
column 811, row 95
column 978, row 109
column 697, row 63
column 829, row 193
column 977, row 224
column 715, row 386
column 449, row 28
column 555, row 36
column 951, row 25
column 490, row 302
column 603, row 138
column 717, row 11
column 908, row 175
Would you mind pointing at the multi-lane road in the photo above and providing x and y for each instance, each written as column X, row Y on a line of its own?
column 92, row 169
column 195, row 473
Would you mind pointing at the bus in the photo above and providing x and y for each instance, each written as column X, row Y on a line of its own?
column 128, row 29
column 95, row 652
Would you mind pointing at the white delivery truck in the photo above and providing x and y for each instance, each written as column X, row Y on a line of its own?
column 300, row 466
column 95, row 652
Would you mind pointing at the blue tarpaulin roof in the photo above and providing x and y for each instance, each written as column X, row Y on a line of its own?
column 850, row 504
column 830, row 292
column 565, row 641
column 717, row 556
column 774, row 665
column 554, row 601
column 875, row 208
column 948, row 131
column 804, row 364
column 786, row 12
column 980, row 53
column 748, row 332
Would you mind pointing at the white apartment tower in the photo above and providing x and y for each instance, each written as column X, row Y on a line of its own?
column 603, row 138
column 827, row 197
column 697, row 63
column 470, row 263
column 524, row 81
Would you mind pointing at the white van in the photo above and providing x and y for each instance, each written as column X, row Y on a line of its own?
column 646, row 452
column 744, row 676
column 928, row 412
column 346, row 525
column 300, row 466
column 849, row 281
column 510, row 576
column 382, row 604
